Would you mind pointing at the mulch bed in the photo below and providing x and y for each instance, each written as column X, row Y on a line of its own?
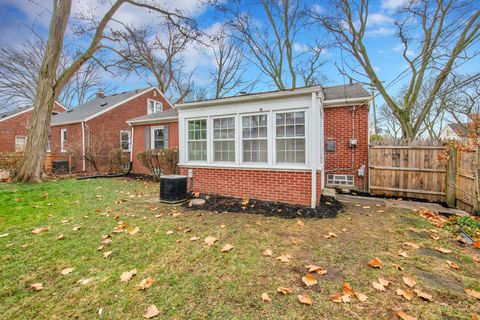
column 328, row 208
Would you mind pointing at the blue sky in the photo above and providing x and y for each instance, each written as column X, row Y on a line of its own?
column 380, row 39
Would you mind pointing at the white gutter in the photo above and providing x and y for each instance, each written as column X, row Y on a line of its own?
column 313, row 127
column 153, row 121
column 321, row 139
column 344, row 102
column 131, row 142
column 83, row 146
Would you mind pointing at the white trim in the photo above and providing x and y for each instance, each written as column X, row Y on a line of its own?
column 152, row 137
column 155, row 101
column 61, row 105
column 63, row 139
column 111, row 107
column 244, row 167
column 221, row 140
column 84, row 164
column 152, row 121
column 16, row 114
column 133, row 135
column 207, row 123
column 345, row 102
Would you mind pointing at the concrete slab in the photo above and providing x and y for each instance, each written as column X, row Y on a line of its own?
column 328, row 192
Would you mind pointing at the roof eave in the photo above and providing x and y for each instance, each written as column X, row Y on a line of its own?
column 346, row 102
column 152, row 121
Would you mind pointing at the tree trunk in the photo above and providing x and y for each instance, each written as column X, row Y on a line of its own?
column 32, row 166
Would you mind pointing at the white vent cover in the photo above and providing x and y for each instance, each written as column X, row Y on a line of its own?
column 340, row 180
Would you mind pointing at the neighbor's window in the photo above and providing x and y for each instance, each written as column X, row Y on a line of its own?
column 154, row 106
column 49, row 144
column 224, row 139
column 159, row 138
column 125, row 140
column 63, row 139
column 20, row 143
column 197, row 140
column 254, row 138
column 290, row 138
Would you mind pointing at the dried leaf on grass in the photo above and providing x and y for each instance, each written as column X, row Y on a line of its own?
column 40, row 230
column 330, row 235
column 194, row 238
column 66, row 271
column 284, row 290
column 151, row 312
column 107, row 254
column 412, row 245
column 339, row 297
column 453, row 265
column 443, row 250
column 309, row 280
column 378, row 286
column 36, row 286
column 131, row 231
column 226, row 248
column 472, row 293
column 284, row 258
column 409, row 281
column 305, row 299
column 403, row 254
column 300, row 223
column 210, row 241
column 402, row 315
column 423, row 295
column 61, row 237
column 316, row 269
column 361, row 297
column 146, row 283
column 265, row 297
column 347, row 289
column 376, row 263
column 169, row 232
column 407, row 294
column 76, row 228
column 398, row 267
column 267, row 253
column 126, row 276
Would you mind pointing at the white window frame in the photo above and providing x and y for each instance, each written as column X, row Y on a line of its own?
column 268, row 138
column 156, row 103
column 212, row 134
column 49, row 144
column 152, row 137
column 274, row 120
column 17, row 149
column 207, row 140
column 63, row 139
column 129, row 133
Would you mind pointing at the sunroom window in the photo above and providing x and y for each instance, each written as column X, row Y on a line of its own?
column 254, row 138
column 290, row 137
column 224, row 139
column 197, row 140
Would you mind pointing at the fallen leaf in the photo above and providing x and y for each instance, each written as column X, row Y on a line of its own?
column 284, row 258
column 376, row 263
column 403, row 254
column 245, row 202
column 40, row 230
column 265, row 297
column 267, row 253
column 409, row 281
column 472, row 293
column 300, row 223
column 402, row 315
column 476, row 244
column 346, row 289
column 107, row 241
column 453, row 265
column 305, row 299
column 361, row 297
column 226, row 248
column 84, row 281
column 65, row 221
column 434, row 237
column 398, row 267
column 222, row 226
column 413, row 245
column 126, row 276
column 151, row 312
column 407, row 294
column 36, row 286
column 316, row 269
column 61, row 237
column 476, row 259
column 100, row 248
column 210, row 241
column 107, row 254
column 423, row 295
column 131, row 231
column 378, row 286
column 384, row 282
column 337, row 298
column 66, row 271
column 169, row 232
column 443, row 250
column 309, row 280
column 366, row 207
column 76, row 228
column 25, row 245
column 194, row 238
column 330, row 235
column 284, row 290
column 146, row 283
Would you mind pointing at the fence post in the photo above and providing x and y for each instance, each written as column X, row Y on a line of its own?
column 451, row 176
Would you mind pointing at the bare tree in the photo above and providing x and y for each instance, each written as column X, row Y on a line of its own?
column 155, row 51
column 49, row 85
column 270, row 41
column 449, row 28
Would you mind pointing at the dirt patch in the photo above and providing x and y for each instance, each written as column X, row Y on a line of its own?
column 440, row 282
column 435, row 254
column 419, row 235
column 328, row 208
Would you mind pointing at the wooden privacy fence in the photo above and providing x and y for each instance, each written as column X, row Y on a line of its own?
column 414, row 171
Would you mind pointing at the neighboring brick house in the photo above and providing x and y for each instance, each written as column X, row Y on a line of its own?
column 281, row 146
column 14, row 127
column 100, row 125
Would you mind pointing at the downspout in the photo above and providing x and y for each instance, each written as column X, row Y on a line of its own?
column 131, row 143
column 314, row 147
column 83, row 147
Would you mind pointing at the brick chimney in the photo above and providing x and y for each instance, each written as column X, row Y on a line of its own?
column 100, row 94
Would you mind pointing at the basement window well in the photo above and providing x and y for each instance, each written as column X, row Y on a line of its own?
column 340, row 180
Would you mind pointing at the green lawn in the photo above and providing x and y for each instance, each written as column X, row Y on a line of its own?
column 195, row 281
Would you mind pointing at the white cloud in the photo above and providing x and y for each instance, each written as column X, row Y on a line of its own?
column 316, row 8
column 379, row 19
column 381, row 32
column 297, row 47
column 400, row 47
column 394, row 4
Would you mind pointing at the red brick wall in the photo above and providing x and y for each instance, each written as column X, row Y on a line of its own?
column 268, row 185
column 338, row 126
column 139, row 142
column 16, row 126
column 74, row 138
column 105, row 129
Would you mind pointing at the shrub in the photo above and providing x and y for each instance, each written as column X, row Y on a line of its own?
column 9, row 164
column 161, row 161
column 119, row 161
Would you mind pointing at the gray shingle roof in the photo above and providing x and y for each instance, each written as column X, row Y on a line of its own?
column 167, row 114
column 92, row 107
column 349, row 91
column 13, row 112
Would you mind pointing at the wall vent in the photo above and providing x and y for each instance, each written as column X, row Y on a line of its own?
column 340, row 180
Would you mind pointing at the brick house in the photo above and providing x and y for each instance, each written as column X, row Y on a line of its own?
column 14, row 127
column 281, row 146
column 100, row 125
